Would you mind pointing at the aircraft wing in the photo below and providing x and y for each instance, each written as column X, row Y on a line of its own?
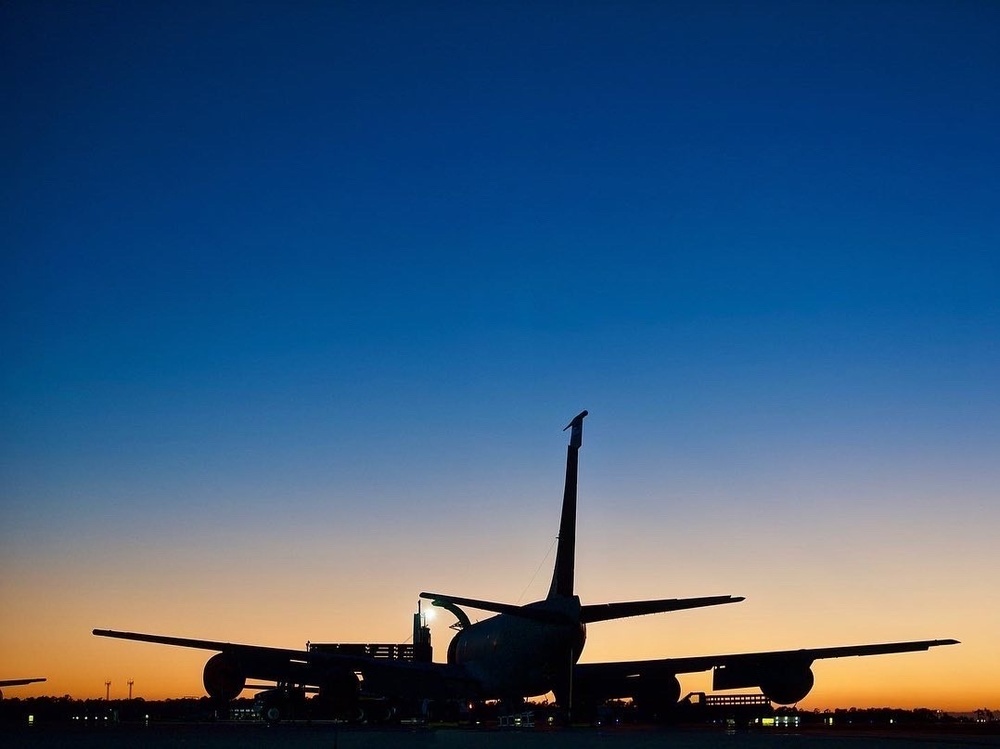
column 254, row 661
column 783, row 675
column 186, row 642
column 227, row 673
column 18, row 682
column 688, row 665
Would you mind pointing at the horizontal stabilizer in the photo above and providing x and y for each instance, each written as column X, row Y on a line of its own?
column 524, row 612
column 606, row 611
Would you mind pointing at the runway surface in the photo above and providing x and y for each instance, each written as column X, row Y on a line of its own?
column 253, row 736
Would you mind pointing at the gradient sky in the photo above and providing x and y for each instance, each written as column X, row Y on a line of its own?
column 296, row 298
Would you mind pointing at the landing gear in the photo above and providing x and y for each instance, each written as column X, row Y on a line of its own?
column 271, row 714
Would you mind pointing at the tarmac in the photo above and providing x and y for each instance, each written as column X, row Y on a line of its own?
column 333, row 736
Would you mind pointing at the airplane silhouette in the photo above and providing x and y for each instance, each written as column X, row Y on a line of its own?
column 523, row 651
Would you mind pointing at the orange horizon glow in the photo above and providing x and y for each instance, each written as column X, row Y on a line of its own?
column 249, row 588
column 849, row 585
column 77, row 663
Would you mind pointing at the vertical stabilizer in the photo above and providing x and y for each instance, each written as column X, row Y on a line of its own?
column 562, row 575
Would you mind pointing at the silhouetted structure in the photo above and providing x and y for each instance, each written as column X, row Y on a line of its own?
column 524, row 651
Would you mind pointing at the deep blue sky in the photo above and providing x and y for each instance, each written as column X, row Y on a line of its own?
column 267, row 261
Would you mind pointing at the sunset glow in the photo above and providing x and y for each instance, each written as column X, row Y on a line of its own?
column 296, row 301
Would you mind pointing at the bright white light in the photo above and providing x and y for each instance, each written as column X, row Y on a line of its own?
column 429, row 616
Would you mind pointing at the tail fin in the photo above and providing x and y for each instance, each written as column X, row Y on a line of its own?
column 562, row 575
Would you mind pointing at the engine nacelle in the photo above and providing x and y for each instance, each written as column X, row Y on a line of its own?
column 656, row 696
column 341, row 687
column 788, row 687
column 224, row 678
column 785, row 681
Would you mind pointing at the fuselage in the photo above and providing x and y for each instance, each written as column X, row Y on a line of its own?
column 513, row 656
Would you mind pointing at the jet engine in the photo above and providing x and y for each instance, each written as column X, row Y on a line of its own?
column 341, row 687
column 223, row 677
column 789, row 686
column 782, row 681
column 656, row 696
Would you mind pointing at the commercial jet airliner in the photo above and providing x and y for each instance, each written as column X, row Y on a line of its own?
column 523, row 651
